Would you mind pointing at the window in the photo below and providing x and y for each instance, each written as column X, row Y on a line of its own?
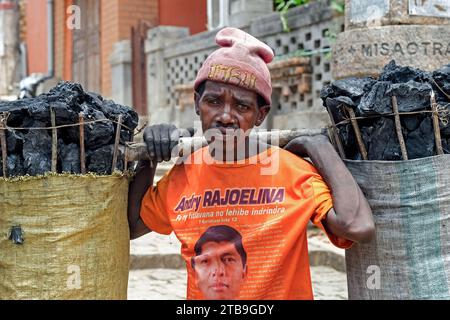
column 218, row 13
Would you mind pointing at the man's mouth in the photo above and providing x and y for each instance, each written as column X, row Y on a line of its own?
column 219, row 286
column 226, row 131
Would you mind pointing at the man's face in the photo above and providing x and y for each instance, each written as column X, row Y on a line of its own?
column 227, row 108
column 219, row 271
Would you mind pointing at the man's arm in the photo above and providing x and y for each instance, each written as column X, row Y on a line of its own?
column 160, row 140
column 351, row 216
column 138, row 187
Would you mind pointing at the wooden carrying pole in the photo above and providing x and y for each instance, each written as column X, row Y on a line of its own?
column 138, row 151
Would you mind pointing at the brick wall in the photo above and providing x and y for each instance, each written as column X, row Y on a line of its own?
column 195, row 17
column 117, row 18
column 36, row 35
column 59, row 29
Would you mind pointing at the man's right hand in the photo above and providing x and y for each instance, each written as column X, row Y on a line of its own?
column 160, row 140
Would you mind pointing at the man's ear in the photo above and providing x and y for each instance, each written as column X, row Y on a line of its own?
column 263, row 112
column 244, row 272
column 196, row 102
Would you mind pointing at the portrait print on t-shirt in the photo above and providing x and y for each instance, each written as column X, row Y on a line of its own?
column 220, row 263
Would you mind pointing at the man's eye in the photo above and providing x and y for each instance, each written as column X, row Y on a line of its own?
column 229, row 260
column 213, row 101
column 243, row 107
column 204, row 261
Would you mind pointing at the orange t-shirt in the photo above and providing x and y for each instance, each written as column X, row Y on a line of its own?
column 268, row 200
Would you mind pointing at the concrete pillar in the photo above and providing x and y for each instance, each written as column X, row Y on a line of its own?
column 9, row 46
column 121, row 73
column 242, row 12
column 413, row 33
column 157, row 40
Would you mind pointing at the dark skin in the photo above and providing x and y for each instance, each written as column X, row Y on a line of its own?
column 224, row 107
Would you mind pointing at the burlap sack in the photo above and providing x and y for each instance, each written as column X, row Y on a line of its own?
column 75, row 237
column 410, row 256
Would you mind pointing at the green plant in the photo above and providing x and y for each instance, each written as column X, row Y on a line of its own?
column 338, row 6
column 283, row 6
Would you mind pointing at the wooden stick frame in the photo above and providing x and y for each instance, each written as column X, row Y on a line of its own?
column 337, row 139
column 3, row 144
column 82, row 150
column 398, row 128
column 54, row 140
column 434, row 116
column 359, row 140
column 116, row 144
column 437, row 131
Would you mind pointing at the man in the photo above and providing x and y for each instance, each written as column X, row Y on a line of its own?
column 236, row 183
column 220, row 263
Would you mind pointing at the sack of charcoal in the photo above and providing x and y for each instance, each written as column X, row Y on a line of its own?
column 393, row 134
column 63, row 196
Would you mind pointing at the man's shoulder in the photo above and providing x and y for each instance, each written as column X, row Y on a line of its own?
column 292, row 160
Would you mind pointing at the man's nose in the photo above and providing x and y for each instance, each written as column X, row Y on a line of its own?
column 218, row 269
column 226, row 117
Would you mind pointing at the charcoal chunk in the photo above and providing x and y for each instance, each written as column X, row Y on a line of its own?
column 420, row 143
column 345, row 101
column 14, row 166
column 14, row 141
column 348, row 139
column 96, row 134
column 100, row 160
column 39, row 110
column 377, row 100
column 112, row 111
column 326, row 92
column 411, row 96
column 70, row 94
column 64, row 114
column 37, row 152
column 411, row 122
column 384, row 143
column 398, row 74
column 17, row 110
column 29, row 149
column 442, row 78
column 69, row 157
column 352, row 87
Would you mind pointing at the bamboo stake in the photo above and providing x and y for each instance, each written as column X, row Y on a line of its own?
column 361, row 146
column 336, row 136
column 3, row 145
column 437, row 130
column 398, row 128
column 116, row 144
column 54, row 140
column 82, row 154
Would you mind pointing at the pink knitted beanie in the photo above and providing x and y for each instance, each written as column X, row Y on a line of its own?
column 241, row 61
